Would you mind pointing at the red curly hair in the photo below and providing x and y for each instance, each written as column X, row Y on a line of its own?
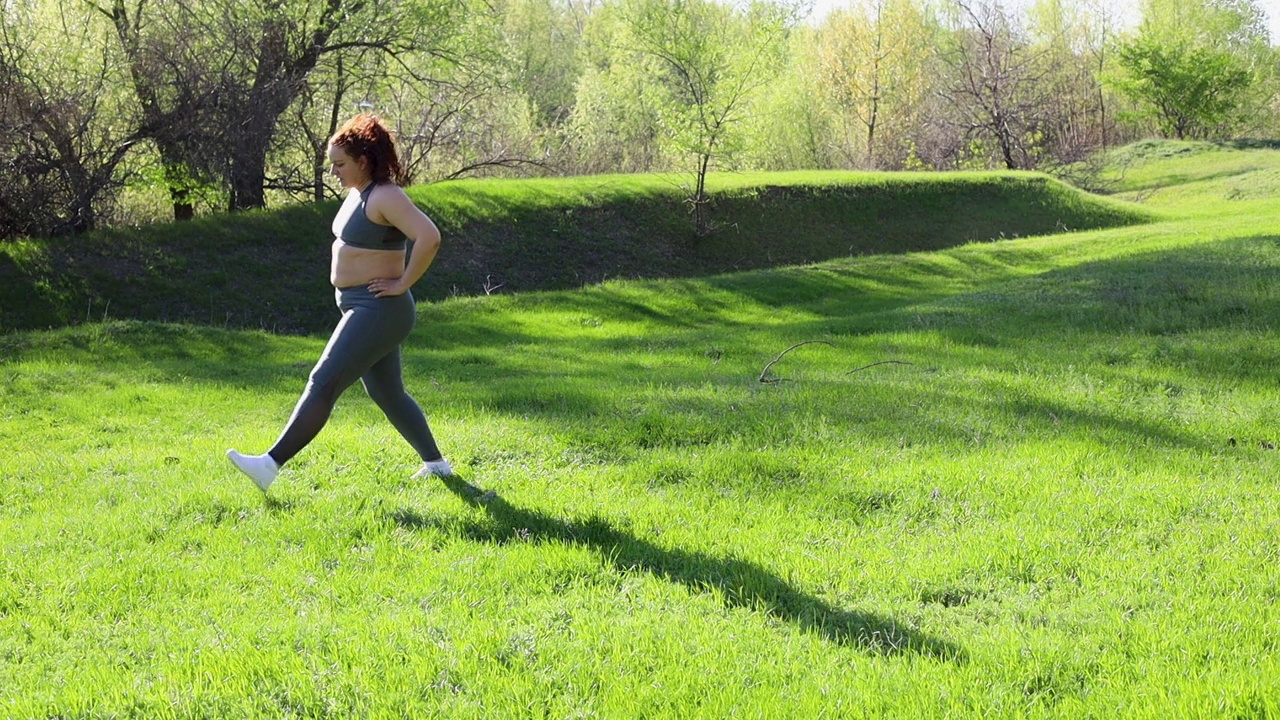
column 366, row 136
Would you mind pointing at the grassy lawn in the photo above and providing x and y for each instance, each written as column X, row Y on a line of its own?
column 1058, row 500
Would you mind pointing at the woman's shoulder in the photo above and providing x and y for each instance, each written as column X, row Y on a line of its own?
column 387, row 200
column 386, row 191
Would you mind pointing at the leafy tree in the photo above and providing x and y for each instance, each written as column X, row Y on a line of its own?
column 1188, row 90
column 541, row 40
column 875, row 60
column 1198, row 68
column 1237, row 26
column 615, row 124
column 793, row 125
column 705, row 61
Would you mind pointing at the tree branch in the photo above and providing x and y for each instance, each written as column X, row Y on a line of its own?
column 882, row 362
column 503, row 162
column 765, row 371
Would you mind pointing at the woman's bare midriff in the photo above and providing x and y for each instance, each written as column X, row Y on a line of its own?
column 357, row 266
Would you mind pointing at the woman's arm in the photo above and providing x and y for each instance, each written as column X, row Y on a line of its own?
column 395, row 208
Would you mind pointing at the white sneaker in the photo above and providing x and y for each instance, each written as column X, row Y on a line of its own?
column 438, row 468
column 261, row 468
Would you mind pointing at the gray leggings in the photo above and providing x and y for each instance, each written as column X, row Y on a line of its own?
column 364, row 346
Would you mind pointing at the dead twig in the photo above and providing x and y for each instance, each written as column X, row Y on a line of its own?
column 765, row 371
column 489, row 287
column 882, row 362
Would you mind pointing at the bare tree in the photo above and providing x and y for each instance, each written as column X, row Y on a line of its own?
column 299, row 159
column 61, row 152
column 995, row 83
column 1071, row 40
column 252, row 65
column 175, row 80
column 459, row 131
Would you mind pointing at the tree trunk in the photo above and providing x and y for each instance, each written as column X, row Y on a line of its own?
column 1102, row 103
column 159, row 124
column 322, row 147
column 877, row 56
column 249, row 171
column 248, row 168
column 871, row 134
column 1004, row 137
column 700, row 198
column 278, row 81
column 183, row 210
column 179, row 194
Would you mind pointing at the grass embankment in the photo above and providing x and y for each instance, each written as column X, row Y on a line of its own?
column 267, row 269
column 1065, row 506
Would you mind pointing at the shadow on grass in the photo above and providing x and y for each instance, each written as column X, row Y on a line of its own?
column 278, row 507
column 24, row 302
column 1250, row 144
column 742, row 584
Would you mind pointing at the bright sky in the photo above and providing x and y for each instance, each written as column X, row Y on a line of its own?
column 1129, row 11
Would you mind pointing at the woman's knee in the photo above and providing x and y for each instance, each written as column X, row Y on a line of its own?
column 326, row 387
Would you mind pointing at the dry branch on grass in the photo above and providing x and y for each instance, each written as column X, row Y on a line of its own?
column 882, row 362
column 765, row 371
column 764, row 378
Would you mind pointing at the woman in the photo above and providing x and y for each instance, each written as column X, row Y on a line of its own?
column 372, row 281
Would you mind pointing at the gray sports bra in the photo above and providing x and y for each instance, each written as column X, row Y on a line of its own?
column 353, row 227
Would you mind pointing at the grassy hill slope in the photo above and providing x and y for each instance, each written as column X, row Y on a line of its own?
column 269, row 269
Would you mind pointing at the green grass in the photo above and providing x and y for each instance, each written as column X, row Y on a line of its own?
column 1064, row 506
column 1190, row 175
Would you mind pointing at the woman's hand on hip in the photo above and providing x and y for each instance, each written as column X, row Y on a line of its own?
column 388, row 287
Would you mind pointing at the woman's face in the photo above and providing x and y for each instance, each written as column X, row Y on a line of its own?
column 350, row 172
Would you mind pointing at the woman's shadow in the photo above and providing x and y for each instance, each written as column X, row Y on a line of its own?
column 741, row 583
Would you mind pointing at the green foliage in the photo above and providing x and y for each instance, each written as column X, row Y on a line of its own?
column 1190, row 91
column 615, row 122
column 789, row 126
column 1237, row 26
column 543, row 39
column 1229, row 37
column 702, row 62
column 98, row 94
column 875, row 62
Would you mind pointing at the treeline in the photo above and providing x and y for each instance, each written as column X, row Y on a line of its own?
column 129, row 111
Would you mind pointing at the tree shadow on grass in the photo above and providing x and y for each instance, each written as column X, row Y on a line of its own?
column 742, row 584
